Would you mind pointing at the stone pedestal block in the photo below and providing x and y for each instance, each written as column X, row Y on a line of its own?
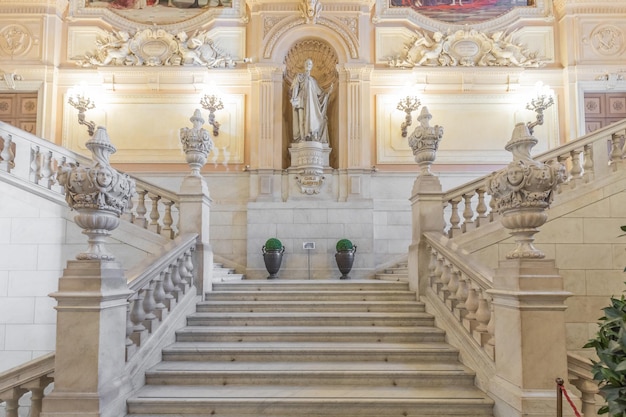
column 529, row 308
column 90, row 343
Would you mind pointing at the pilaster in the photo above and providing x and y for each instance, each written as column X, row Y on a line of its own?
column 90, row 341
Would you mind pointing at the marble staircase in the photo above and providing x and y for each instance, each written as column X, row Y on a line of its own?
column 310, row 348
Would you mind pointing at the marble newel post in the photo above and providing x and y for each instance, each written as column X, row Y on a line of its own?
column 426, row 198
column 92, row 297
column 195, row 202
column 528, row 295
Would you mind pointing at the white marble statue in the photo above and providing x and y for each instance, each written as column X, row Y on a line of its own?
column 309, row 103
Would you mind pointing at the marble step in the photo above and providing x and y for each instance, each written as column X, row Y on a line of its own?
column 311, row 285
column 310, row 319
column 392, row 277
column 371, row 334
column 295, row 295
column 424, row 352
column 311, row 306
column 310, row 373
column 309, row 401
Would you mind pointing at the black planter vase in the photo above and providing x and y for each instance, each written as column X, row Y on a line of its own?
column 345, row 259
column 273, row 259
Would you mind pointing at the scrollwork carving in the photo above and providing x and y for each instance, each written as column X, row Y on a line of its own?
column 156, row 47
column 466, row 48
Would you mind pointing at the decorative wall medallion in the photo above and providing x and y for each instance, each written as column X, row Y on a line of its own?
column 592, row 105
column 15, row 40
column 606, row 40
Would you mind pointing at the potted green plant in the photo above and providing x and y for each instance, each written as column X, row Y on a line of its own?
column 345, row 257
column 610, row 346
column 273, row 256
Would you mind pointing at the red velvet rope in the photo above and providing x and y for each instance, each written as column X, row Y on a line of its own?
column 569, row 400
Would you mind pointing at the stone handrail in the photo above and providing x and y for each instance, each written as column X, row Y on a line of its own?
column 157, row 286
column 31, row 377
column 463, row 287
column 590, row 157
column 36, row 161
column 581, row 376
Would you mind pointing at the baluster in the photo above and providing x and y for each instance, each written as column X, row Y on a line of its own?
column 130, row 345
column 46, row 170
column 185, row 276
column 481, row 207
column 168, row 286
column 12, row 399
column 177, row 205
column 454, row 218
column 149, row 305
column 141, row 209
column 175, row 276
column 159, row 297
column 576, row 169
column 59, row 164
column 167, row 230
column 461, row 295
column 137, row 316
column 35, row 164
column 154, row 214
column 491, row 326
column 471, row 303
column 438, row 272
column 588, row 174
column 453, row 285
column 36, row 389
column 7, row 157
column 432, row 267
column 468, row 213
column 445, row 279
column 482, row 314
column 616, row 149
column 128, row 214
column 589, row 390
column 189, row 264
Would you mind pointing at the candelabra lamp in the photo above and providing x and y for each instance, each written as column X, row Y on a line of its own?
column 408, row 105
column 212, row 103
column 543, row 99
column 81, row 102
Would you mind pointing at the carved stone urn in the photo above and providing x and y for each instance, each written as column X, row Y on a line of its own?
column 98, row 193
column 523, row 192
column 424, row 141
column 197, row 143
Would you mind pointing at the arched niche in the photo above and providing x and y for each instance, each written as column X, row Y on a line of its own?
column 325, row 61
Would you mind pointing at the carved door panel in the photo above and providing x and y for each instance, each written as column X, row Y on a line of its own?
column 19, row 110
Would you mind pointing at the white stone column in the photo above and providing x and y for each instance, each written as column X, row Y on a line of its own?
column 89, row 376
column 529, row 311
column 194, row 214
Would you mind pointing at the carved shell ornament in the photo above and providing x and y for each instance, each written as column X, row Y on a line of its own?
column 466, row 48
column 156, row 47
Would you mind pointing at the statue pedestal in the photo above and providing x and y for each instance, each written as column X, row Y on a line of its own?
column 310, row 173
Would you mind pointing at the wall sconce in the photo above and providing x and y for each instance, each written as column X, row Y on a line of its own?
column 544, row 98
column 79, row 100
column 408, row 105
column 212, row 103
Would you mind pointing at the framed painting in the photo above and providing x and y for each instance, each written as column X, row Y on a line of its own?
column 157, row 12
column 443, row 14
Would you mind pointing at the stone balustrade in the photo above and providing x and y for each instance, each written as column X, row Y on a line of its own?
column 157, row 286
column 590, row 157
column 27, row 383
column 580, row 375
column 464, row 289
column 34, row 162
